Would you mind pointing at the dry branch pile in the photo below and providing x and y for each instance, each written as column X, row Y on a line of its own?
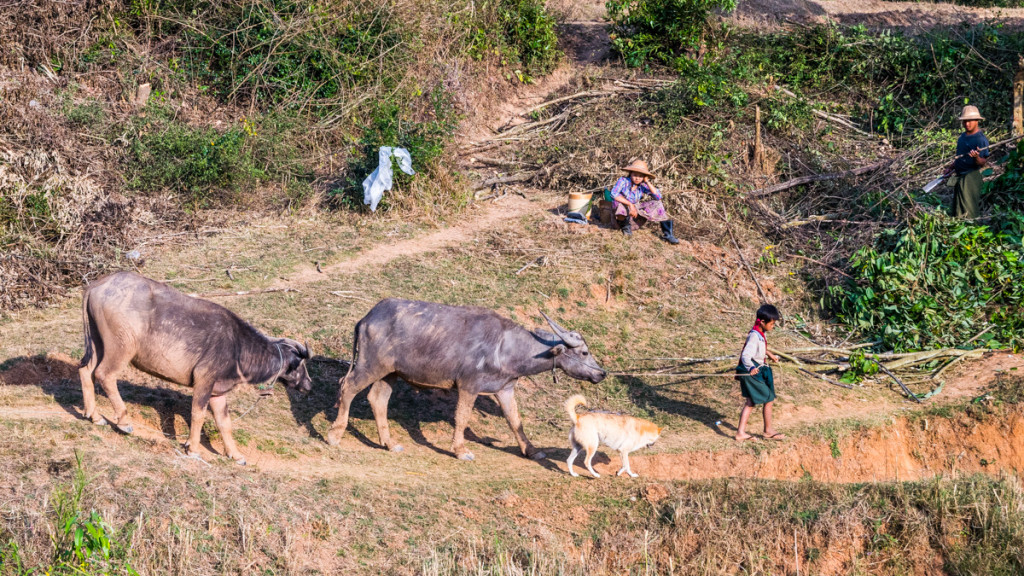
column 906, row 370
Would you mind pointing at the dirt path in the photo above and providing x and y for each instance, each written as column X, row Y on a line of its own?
column 473, row 222
column 874, row 13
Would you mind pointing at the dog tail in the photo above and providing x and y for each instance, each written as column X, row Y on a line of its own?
column 571, row 404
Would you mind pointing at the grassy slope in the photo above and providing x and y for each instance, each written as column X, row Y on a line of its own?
column 308, row 508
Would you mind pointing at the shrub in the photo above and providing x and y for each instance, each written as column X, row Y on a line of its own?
column 425, row 140
column 660, row 30
column 936, row 282
column 522, row 32
column 698, row 87
column 199, row 164
column 285, row 53
column 897, row 83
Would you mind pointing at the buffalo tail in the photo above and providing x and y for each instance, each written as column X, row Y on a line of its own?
column 87, row 324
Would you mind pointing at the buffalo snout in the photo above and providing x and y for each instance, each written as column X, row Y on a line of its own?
column 598, row 377
column 299, row 379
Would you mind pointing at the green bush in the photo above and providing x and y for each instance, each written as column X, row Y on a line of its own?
column 522, row 32
column 201, row 165
column 285, row 53
column 936, row 282
column 898, row 84
column 698, row 87
column 660, row 30
column 425, row 140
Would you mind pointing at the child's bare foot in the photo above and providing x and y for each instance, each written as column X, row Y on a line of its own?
column 744, row 436
column 772, row 435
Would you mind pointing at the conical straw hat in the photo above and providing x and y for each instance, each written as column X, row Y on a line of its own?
column 640, row 167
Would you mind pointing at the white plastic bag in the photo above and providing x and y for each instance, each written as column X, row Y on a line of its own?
column 380, row 179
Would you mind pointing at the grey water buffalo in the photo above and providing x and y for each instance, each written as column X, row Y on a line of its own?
column 472, row 349
column 129, row 319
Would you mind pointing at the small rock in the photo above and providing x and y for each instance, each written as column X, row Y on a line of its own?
column 34, row 104
column 133, row 255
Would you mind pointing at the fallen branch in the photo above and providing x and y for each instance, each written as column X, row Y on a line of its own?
column 520, row 177
column 819, row 263
column 743, row 260
column 502, row 163
column 972, row 354
column 243, row 293
column 825, row 115
column 576, row 96
column 819, row 178
column 830, row 219
column 521, row 128
column 826, row 379
column 349, row 294
column 898, row 381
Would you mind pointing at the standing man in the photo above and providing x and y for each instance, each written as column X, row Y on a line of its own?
column 971, row 156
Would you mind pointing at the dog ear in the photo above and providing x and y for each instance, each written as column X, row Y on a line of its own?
column 558, row 350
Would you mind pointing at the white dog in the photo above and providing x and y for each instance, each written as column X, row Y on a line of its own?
column 616, row 431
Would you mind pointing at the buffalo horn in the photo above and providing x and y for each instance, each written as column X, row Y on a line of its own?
column 305, row 350
column 570, row 339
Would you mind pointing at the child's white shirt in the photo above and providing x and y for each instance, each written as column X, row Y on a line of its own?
column 754, row 350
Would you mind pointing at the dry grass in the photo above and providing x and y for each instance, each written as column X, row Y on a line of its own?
column 308, row 508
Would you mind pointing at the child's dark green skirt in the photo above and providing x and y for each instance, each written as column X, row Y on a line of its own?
column 760, row 388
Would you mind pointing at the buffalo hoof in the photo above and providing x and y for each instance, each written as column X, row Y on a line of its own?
column 397, row 448
column 100, row 422
column 334, row 438
column 467, row 456
column 240, row 461
column 125, row 429
column 538, row 455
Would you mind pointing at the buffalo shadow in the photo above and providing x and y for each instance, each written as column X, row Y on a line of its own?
column 410, row 407
column 57, row 377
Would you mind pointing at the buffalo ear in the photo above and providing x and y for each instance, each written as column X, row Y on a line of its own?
column 558, row 350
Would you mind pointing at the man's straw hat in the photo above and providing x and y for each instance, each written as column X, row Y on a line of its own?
column 971, row 113
column 640, row 167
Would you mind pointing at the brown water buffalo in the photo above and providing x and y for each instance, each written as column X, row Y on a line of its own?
column 472, row 349
column 129, row 319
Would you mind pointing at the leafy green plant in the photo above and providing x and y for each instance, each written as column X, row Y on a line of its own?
column 522, row 32
column 426, row 142
column 936, row 282
column 860, row 366
column 888, row 78
column 200, row 164
column 83, row 543
column 643, row 31
column 698, row 87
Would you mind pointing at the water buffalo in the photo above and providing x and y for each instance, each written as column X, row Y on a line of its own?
column 129, row 319
column 473, row 349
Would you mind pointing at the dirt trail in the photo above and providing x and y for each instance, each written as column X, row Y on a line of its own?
column 471, row 223
column 875, row 13
column 908, row 449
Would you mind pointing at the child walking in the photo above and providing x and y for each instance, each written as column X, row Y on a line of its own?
column 754, row 374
